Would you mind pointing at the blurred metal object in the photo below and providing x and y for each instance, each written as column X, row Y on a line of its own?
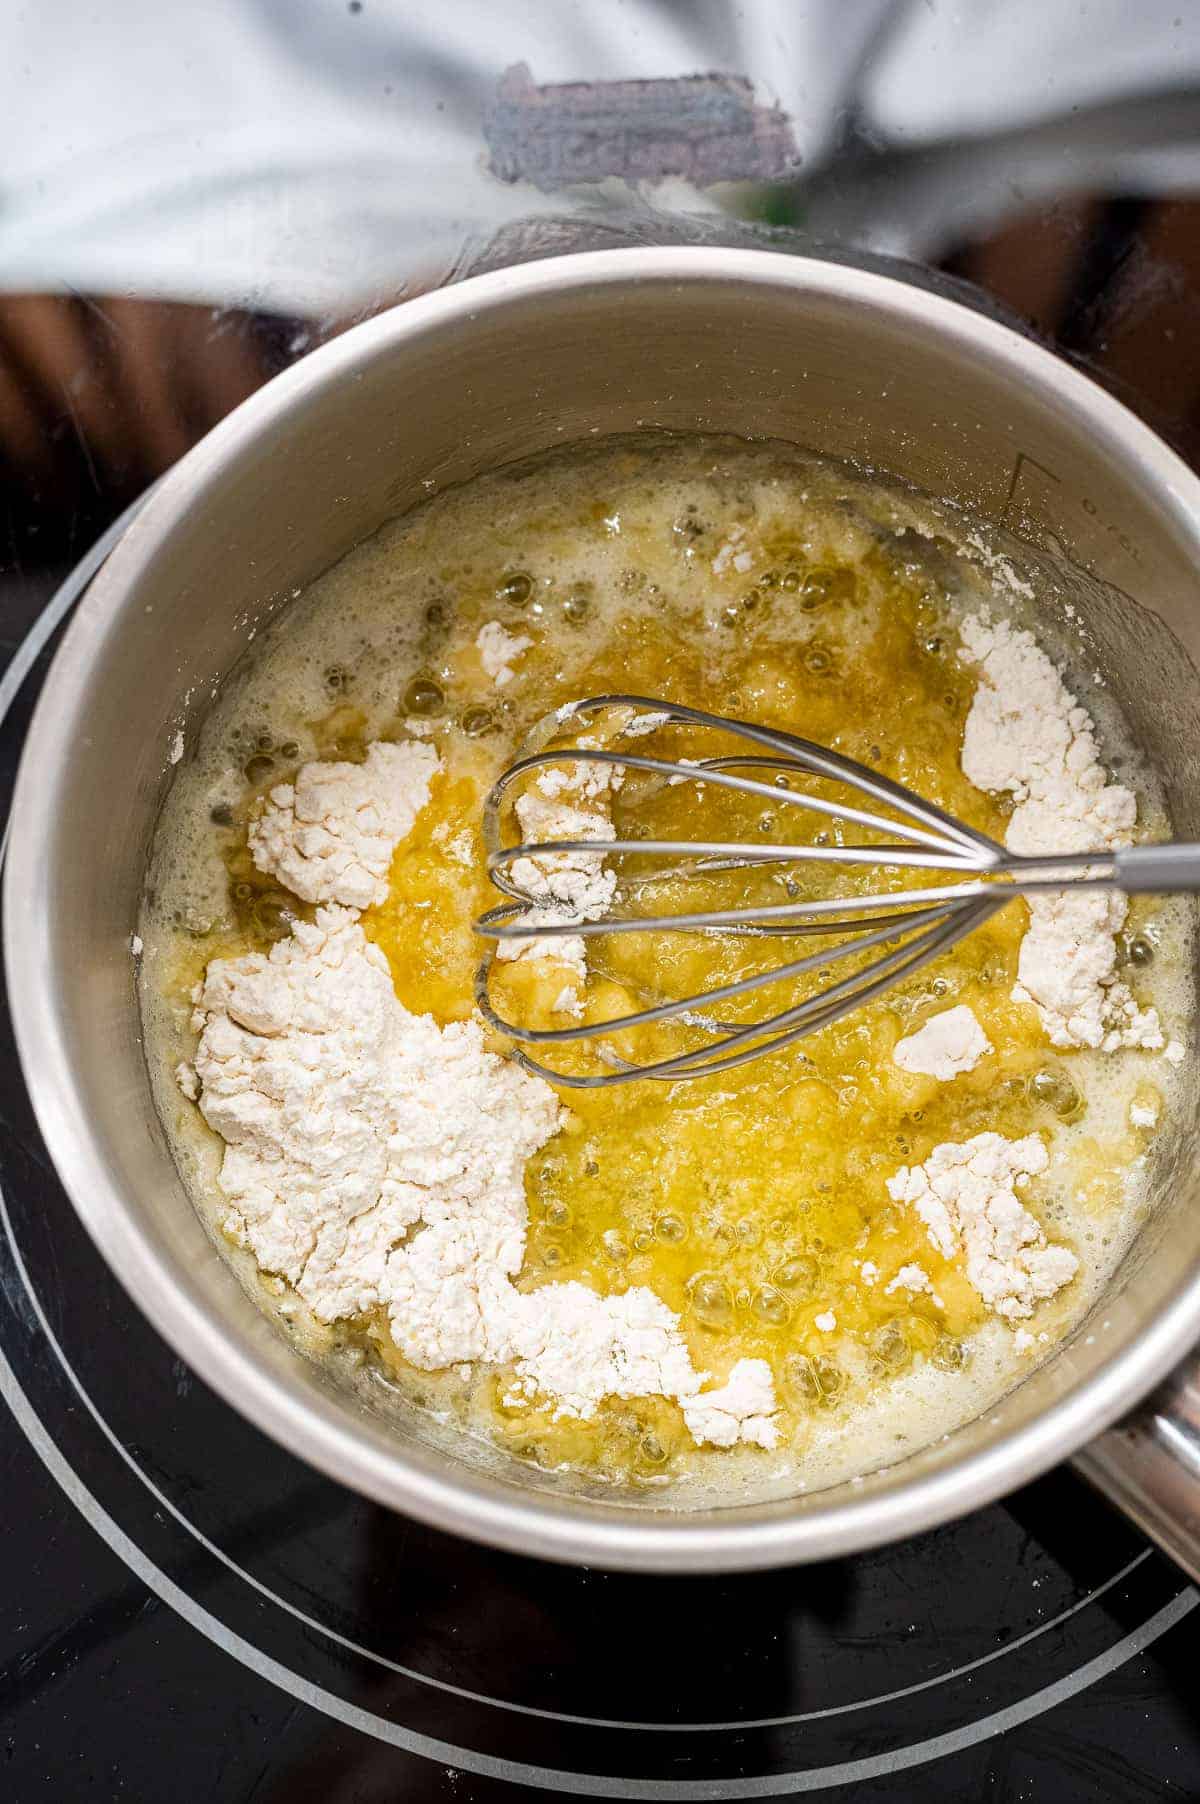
column 433, row 393
column 905, row 928
column 1149, row 1466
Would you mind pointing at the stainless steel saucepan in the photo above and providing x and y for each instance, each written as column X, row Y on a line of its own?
column 851, row 363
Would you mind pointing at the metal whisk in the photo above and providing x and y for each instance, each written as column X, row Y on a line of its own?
column 904, row 928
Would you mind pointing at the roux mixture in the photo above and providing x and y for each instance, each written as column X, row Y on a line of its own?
column 748, row 580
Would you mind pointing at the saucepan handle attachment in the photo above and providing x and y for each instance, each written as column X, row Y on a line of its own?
column 1149, row 1466
column 1170, row 869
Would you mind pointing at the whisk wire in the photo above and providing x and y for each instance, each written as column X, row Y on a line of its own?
column 741, row 1045
column 695, row 1004
column 927, row 921
column 511, row 924
column 712, row 771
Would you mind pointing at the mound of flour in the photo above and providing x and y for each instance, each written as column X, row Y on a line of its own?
column 1027, row 736
column 329, row 837
column 568, row 887
column 947, row 1045
column 376, row 1160
column 966, row 1195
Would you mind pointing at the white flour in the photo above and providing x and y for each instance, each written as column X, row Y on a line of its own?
column 329, row 837
column 1026, row 735
column 915, row 1279
column 498, row 649
column 576, row 881
column 947, row 1045
column 741, row 1410
column 965, row 1193
column 348, row 1120
column 732, row 554
column 375, row 1159
column 571, row 886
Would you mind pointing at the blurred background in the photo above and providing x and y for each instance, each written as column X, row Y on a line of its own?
column 193, row 196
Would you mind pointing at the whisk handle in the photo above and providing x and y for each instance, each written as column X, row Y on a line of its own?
column 1167, row 869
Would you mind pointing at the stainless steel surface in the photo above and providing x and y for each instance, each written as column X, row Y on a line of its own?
column 854, row 363
column 1149, row 1465
column 927, row 922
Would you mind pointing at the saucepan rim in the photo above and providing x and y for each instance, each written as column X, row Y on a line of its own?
column 330, row 1437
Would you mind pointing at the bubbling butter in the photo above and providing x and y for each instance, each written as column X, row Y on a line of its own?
column 756, row 1205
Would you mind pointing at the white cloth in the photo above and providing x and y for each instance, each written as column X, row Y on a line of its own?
column 304, row 156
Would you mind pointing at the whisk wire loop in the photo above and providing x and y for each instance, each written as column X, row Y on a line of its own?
column 896, row 930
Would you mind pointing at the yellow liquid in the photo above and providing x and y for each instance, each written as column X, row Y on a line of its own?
column 747, row 1201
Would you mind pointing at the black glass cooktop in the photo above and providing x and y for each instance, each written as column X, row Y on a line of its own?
column 190, row 1613
column 186, row 1613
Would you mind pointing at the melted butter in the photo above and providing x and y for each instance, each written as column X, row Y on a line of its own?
column 749, row 1201
column 436, row 887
